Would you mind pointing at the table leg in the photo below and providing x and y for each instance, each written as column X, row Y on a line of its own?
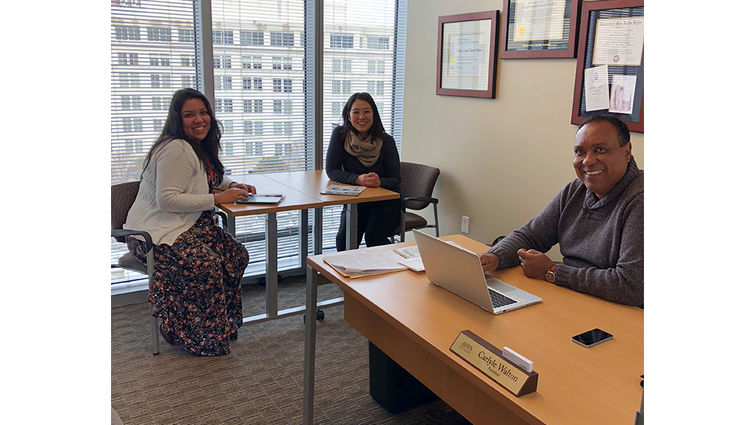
column 303, row 237
column 271, row 276
column 310, row 329
column 318, row 231
column 231, row 225
column 351, row 226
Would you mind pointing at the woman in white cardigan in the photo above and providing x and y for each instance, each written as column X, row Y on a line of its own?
column 196, row 286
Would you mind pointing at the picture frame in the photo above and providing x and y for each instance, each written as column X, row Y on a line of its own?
column 523, row 36
column 611, row 62
column 467, row 49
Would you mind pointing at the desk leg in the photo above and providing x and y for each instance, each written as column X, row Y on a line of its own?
column 351, row 226
column 303, row 237
column 231, row 225
column 271, row 277
column 318, row 231
column 310, row 329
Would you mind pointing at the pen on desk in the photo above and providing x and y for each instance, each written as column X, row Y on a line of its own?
column 268, row 194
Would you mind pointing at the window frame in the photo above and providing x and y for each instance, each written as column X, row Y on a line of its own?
column 200, row 39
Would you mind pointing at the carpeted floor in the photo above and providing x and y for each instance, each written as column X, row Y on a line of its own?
column 260, row 382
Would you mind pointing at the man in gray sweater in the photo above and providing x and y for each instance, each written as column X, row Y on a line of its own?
column 597, row 219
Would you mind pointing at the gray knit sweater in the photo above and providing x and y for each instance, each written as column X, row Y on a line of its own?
column 601, row 240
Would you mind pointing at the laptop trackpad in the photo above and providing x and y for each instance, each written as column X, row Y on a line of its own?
column 499, row 286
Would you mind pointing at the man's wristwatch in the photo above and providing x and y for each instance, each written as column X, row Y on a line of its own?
column 550, row 275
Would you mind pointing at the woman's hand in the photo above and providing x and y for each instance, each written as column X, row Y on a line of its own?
column 231, row 195
column 369, row 180
column 489, row 262
column 249, row 188
column 534, row 263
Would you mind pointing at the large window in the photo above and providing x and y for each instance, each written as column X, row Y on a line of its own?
column 282, row 39
column 258, row 51
column 158, row 34
column 357, row 36
column 341, row 41
column 126, row 32
column 222, row 37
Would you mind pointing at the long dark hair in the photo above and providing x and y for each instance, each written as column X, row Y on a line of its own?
column 206, row 150
column 377, row 129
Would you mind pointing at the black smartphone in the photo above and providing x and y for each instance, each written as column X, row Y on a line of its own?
column 591, row 338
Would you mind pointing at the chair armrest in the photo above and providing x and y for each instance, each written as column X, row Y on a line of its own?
column 120, row 236
column 420, row 198
column 405, row 199
column 223, row 216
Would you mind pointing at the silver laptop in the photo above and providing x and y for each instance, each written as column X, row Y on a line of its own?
column 460, row 272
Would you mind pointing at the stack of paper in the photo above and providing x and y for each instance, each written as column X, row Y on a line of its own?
column 412, row 251
column 341, row 189
column 365, row 262
column 414, row 263
column 408, row 251
column 411, row 258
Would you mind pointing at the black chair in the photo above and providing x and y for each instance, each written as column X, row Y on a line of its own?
column 122, row 196
column 417, row 184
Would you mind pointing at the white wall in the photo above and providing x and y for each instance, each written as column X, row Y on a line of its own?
column 501, row 159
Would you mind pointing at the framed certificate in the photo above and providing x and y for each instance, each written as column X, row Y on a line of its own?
column 610, row 77
column 539, row 28
column 467, row 46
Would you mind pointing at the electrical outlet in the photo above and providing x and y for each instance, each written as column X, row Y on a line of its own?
column 464, row 224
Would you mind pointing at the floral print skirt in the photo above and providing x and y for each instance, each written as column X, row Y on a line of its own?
column 196, row 286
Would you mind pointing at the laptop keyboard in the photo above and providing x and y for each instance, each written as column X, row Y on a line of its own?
column 499, row 300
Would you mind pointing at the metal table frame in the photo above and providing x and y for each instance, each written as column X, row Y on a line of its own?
column 316, row 201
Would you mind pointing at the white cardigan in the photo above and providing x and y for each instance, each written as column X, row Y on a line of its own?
column 172, row 194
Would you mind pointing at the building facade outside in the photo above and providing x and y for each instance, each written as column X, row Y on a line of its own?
column 259, row 80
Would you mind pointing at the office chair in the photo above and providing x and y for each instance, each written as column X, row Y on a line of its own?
column 417, row 184
column 122, row 196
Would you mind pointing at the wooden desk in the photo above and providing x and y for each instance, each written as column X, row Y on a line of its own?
column 415, row 323
column 301, row 190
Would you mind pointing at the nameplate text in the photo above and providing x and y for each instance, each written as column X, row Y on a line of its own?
column 489, row 360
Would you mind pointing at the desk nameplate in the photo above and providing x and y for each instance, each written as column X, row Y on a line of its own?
column 489, row 360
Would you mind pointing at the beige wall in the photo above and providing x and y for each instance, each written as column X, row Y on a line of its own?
column 501, row 159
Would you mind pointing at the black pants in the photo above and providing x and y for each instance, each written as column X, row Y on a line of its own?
column 376, row 221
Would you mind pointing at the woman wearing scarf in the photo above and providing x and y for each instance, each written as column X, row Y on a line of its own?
column 362, row 153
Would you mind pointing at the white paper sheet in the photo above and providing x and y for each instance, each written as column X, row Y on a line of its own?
column 414, row 263
column 465, row 56
column 365, row 262
column 619, row 41
column 596, row 88
column 539, row 20
column 622, row 93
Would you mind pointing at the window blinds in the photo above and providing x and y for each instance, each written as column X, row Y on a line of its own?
column 153, row 53
column 260, row 88
column 358, row 56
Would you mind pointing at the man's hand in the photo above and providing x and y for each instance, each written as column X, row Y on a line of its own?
column 369, row 180
column 489, row 262
column 534, row 263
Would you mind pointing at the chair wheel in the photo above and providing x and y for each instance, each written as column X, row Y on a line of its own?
column 320, row 316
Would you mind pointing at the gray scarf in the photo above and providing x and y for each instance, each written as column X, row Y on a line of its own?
column 367, row 151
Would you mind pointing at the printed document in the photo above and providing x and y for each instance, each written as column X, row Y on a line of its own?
column 365, row 262
column 340, row 189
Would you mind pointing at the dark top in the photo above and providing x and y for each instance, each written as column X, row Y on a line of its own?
column 601, row 240
column 343, row 167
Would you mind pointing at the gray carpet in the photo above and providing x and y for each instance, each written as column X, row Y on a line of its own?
column 260, row 382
